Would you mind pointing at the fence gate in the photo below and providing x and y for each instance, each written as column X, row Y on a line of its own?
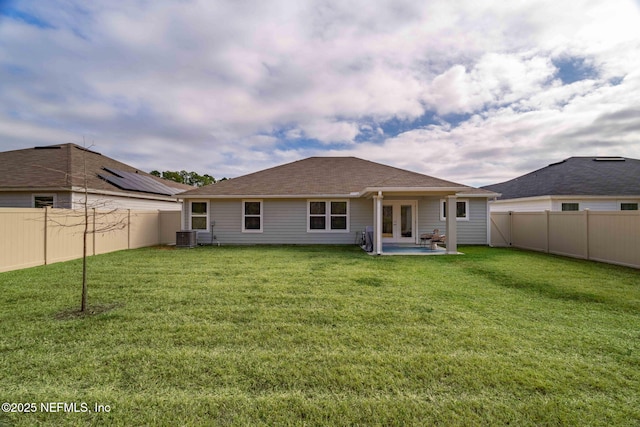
column 500, row 229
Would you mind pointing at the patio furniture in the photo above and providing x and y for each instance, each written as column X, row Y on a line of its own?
column 426, row 237
column 432, row 239
column 440, row 238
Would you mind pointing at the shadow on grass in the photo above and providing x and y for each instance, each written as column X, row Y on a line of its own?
column 549, row 290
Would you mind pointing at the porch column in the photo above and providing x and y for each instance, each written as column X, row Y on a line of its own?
column 452, row 225
column 377, row 222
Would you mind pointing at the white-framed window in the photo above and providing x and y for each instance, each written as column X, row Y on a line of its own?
column 328, row 216
column 628, row 206
column 44, row 200
column 462, row 210
column 199, row 215
column 570, row 207
column 252, row 216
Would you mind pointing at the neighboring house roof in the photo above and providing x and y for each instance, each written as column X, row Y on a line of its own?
column 322, row 176
column 576, row 176
column 62, row 168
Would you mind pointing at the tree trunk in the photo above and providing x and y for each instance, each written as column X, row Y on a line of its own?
column 83, row 305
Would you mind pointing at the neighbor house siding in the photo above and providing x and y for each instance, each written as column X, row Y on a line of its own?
column 537, row 205
column 63, row 200
column 592, row 204
column 118, row 202
column 21, row 199
column 284, row 222
column 554, row 204
column 15, row 200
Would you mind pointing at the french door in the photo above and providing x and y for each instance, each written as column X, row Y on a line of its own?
column 399, row 221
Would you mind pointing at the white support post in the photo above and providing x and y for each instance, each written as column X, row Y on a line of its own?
column 452, row 225
column 377, row 216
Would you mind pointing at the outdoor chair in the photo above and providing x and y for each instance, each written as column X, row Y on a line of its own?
column 426, row 237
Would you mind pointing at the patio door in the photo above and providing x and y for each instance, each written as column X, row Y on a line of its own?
column 399, row 221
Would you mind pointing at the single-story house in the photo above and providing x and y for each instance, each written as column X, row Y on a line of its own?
column 574, row 184
column 332, row 200
column 57, row 175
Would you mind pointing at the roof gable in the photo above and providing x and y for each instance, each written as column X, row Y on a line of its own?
column 576, row 176
column 321, row 176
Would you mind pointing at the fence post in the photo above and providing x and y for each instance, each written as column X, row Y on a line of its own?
column 548, row 231
column 93, row 233
column 128, row 228
column 510, row 228
column 46, row 231
column 586, row 232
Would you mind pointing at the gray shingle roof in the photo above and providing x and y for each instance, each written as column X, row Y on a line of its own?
column 324, row 176
column 60, row 167
column 576, row 176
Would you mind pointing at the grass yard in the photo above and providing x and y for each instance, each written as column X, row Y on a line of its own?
column 322, row 336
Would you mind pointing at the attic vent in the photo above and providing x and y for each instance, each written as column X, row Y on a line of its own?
column 609, row 159
column 48, row 147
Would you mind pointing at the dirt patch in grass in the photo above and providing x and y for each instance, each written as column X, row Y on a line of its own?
column 92, row 310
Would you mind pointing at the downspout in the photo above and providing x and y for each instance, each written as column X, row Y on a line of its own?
column 183, row 213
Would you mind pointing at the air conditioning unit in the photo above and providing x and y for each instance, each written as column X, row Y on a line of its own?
column 186, row 239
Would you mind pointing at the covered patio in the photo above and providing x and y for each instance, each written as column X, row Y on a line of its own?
column 396, row 228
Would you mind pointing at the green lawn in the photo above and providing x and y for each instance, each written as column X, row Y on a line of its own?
column 323, row 336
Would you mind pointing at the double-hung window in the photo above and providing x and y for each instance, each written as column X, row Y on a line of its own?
column 252, row 216
column 462, row 210
column 328, row 215
column 199, row 215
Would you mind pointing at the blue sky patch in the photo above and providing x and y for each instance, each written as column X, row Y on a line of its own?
column 574, row 69
column 19, row 15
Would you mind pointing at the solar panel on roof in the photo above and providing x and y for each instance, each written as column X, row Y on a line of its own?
column 136, row 182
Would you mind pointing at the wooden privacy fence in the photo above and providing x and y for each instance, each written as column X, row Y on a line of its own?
column 31, row 237
column 612, row 237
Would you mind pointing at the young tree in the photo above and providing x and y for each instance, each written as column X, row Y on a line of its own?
column 103, row 219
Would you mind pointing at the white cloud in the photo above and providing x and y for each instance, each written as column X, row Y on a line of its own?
column 496, row 79
column 233, row 86
column 500, row 144
column 331, row 131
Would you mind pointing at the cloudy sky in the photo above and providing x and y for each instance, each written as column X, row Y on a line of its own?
column 472, row 91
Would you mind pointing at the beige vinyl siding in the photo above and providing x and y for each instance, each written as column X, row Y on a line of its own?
column 284, row 222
